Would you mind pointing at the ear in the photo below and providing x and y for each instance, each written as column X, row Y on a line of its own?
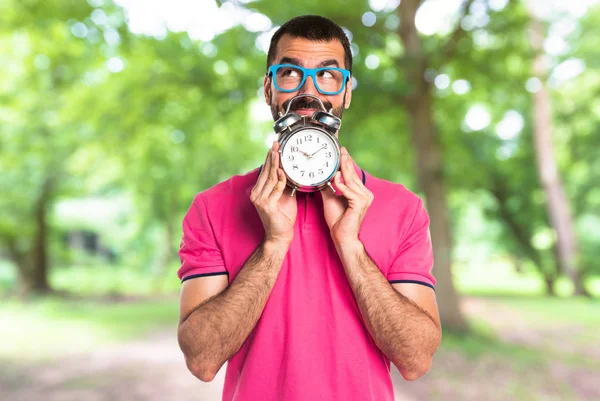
column 348, row 93
column 267, row 89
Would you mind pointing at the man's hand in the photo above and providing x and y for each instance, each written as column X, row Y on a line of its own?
column 276, row 210
column 345, row 214
column 217, row 318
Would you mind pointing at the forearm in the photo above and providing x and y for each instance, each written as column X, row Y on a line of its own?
column 403, row 331
column 217, row 328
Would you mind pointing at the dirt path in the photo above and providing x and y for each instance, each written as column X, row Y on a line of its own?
column 152, row 369
column 568, row 371
column 149, row 370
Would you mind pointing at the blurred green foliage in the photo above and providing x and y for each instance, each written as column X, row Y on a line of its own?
column 89, row 110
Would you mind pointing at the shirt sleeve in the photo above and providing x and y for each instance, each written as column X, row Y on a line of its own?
column 199, row 253
column 414, row 260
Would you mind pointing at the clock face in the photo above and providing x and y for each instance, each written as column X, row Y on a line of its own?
column 310, row 157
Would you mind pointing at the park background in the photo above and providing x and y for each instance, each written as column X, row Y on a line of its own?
column 114, row 114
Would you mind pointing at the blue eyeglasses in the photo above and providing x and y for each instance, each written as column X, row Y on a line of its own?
column 327, row 80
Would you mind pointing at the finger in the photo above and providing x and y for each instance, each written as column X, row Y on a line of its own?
column 264, row 173
column 276, row 151
column 346, row 167
column 262, row 177
column 350, row 177
column 357, row 184
column 345, row 190
column 279, row 187
column 272, row 178
column 349, row 162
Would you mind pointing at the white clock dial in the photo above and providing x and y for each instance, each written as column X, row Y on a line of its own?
column 310, row 157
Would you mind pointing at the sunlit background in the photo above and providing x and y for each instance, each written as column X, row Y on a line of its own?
column 114, row 114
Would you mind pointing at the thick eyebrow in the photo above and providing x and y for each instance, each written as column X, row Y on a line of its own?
column 292, row 60
column 329, row 63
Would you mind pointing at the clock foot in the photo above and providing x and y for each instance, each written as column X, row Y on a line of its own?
column 331, row 186
column 293, row 191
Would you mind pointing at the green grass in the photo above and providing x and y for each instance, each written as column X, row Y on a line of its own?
column 556, row 329
column 113, row 280
column 483, row 341
column 45, row 328
column 102, row 279
column 52, row 327
column 550, row 312
column 492, row 279
column 500, row 278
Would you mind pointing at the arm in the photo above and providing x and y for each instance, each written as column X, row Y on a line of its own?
column 403, row 320
column 214, row 330
column 215, row 319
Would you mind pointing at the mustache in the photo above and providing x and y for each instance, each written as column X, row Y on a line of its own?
column 307, row 103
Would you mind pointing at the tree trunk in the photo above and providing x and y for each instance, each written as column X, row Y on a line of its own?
column 549, row 283
column 521, row 233
column 39, row 253
column 559, row 210
column 170, row 252
column 32, row 264
column 429, row 164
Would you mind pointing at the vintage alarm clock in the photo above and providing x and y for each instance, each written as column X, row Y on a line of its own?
column 308, row 149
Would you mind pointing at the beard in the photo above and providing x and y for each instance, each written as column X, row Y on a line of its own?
column 305, row 103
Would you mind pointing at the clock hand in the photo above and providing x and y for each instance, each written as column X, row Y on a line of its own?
column 317, row 151
column 304, row 153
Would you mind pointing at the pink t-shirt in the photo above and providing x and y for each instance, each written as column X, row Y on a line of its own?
column 310, row 342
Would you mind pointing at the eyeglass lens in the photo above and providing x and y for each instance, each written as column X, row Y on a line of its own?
column 290, row 78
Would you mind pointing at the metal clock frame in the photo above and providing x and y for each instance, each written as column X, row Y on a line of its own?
column 291, row 124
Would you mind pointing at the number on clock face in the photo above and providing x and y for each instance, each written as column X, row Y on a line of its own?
column 308, row 157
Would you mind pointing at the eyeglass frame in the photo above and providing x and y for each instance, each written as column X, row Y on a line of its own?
column 309, row 72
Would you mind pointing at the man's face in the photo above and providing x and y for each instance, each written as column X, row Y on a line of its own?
column 308, row 54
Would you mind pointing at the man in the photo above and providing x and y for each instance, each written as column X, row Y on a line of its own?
column 307, row 297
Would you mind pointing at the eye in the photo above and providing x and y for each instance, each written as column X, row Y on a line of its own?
column 328, row 74
column 289, row 72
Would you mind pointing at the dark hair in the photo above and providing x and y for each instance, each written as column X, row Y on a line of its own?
column 311, row 27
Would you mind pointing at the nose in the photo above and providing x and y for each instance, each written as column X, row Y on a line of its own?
column 309, row 87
